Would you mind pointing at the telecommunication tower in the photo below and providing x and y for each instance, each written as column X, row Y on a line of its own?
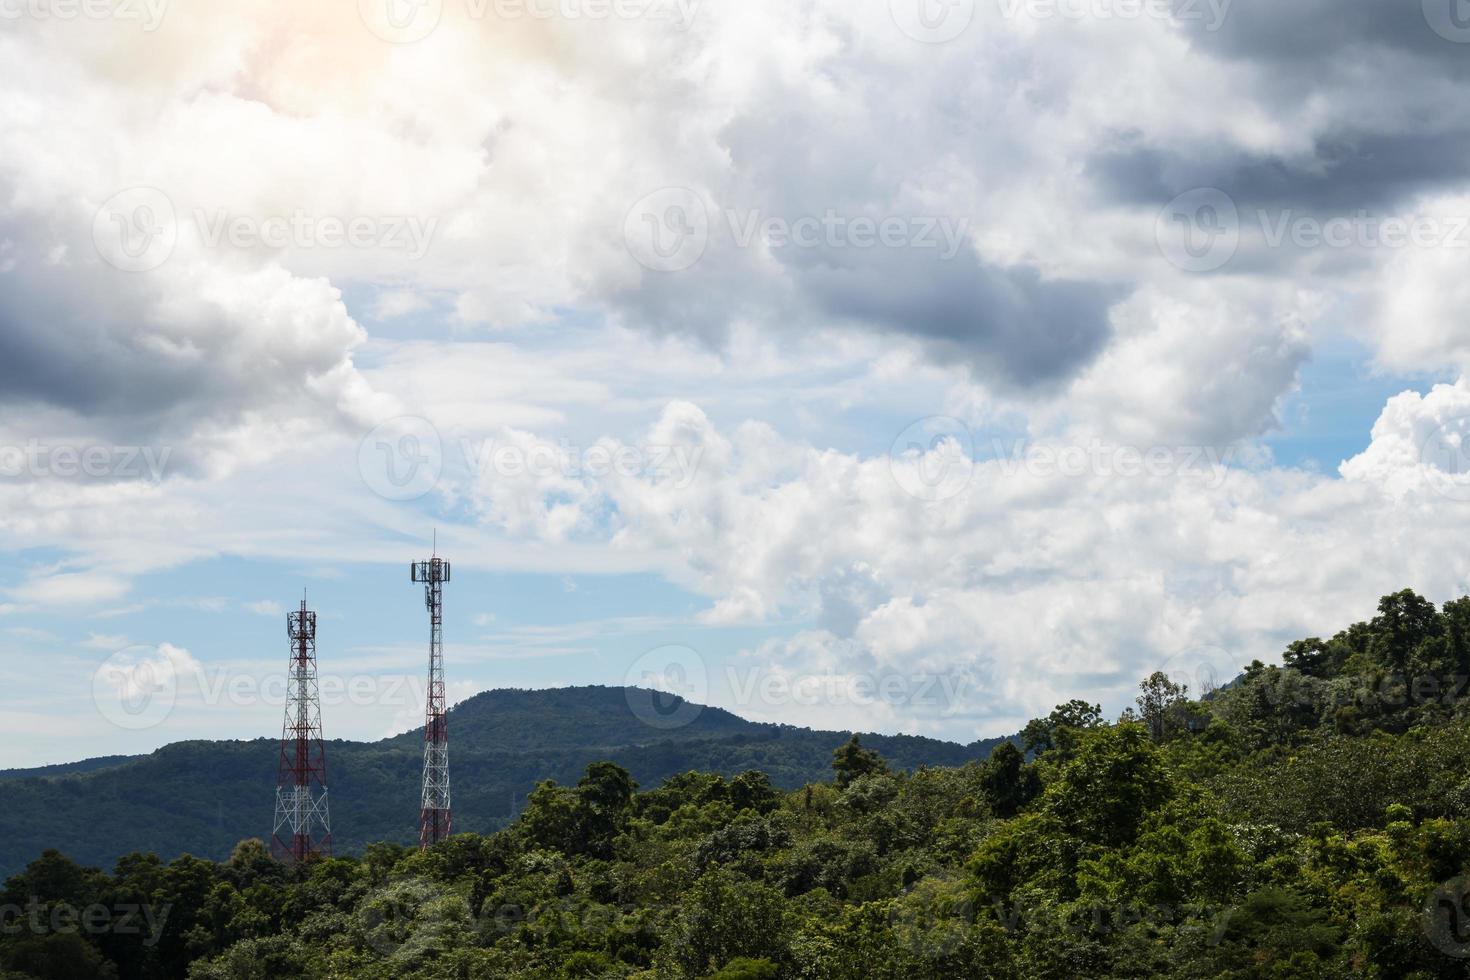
column 434, row 814
column 303, row 827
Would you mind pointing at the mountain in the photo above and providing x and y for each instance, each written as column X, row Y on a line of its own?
column 69, row 768
column 202, row 797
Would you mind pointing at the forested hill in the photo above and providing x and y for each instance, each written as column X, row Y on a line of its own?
column 202, row 798
column 1310, row 821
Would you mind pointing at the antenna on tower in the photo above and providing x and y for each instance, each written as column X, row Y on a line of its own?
column 434, row 810
column 303, row 826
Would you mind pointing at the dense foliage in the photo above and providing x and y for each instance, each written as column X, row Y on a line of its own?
column 1306, row 821
column 202, row 798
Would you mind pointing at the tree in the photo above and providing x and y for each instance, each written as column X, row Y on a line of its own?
column 1038, row 736
column 1058, row 729
column 1104, row 793
column 551, row 819
column 58, row 956
column 1265, row 846
column 1160, row 704
column 686, row 788
column 583, row 820
column 1310, row 656
column 379, row 858
column 251, row 861
column 1077, row 714
column 54, row 877
column 728, row 916
column 1405, row 621
column 1455, row 616
column 605, row 796
column 607, row 787
column 745, row 968
column 1274, row 926
column 1008, row 782
column 851, row 760
column 752, row 790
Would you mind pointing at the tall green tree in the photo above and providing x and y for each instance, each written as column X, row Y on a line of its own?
column 1106, row 791
column 1405, row 621
column 851, row 761
column 1160, row 705
column 1008, row 782
column 1058, row 729
column 726, row 917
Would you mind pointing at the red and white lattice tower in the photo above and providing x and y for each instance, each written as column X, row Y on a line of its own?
column 434, row 815
column 303, row 827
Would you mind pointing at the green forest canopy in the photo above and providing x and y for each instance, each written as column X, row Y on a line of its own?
column 1308, row 820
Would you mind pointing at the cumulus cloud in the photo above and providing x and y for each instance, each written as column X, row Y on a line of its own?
column 170, row 337
column 975, row 224
column 1041, row 578
column 1206, row 363
column 1032, row 153
column 1421, row 446
column 516, row 217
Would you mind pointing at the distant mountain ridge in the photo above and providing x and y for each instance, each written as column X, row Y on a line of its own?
column 70, row 768
column 202, row 797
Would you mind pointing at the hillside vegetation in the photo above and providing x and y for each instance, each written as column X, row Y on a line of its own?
column 202, row 798
column 1307, row 821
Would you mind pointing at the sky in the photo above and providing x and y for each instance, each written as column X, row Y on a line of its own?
column 892, row 365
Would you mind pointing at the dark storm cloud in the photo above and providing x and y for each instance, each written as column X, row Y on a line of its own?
column 67, row 340
column 82, row 336
column 1378, row 81
column 1297, row 35
column 852, row 150
column 1009, row 323
column 161, row 353
column 1345, row 172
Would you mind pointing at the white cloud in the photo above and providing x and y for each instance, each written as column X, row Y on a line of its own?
column 1034, row 584
column 1420, row 448
column 1419, row 314
column 1204, row 363
column 515, row 150
column 64, row 588
column 393, row 303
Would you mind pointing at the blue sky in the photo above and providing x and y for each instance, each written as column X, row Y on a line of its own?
column 1017, row 376
column 1341, row 392
column 514, row 628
